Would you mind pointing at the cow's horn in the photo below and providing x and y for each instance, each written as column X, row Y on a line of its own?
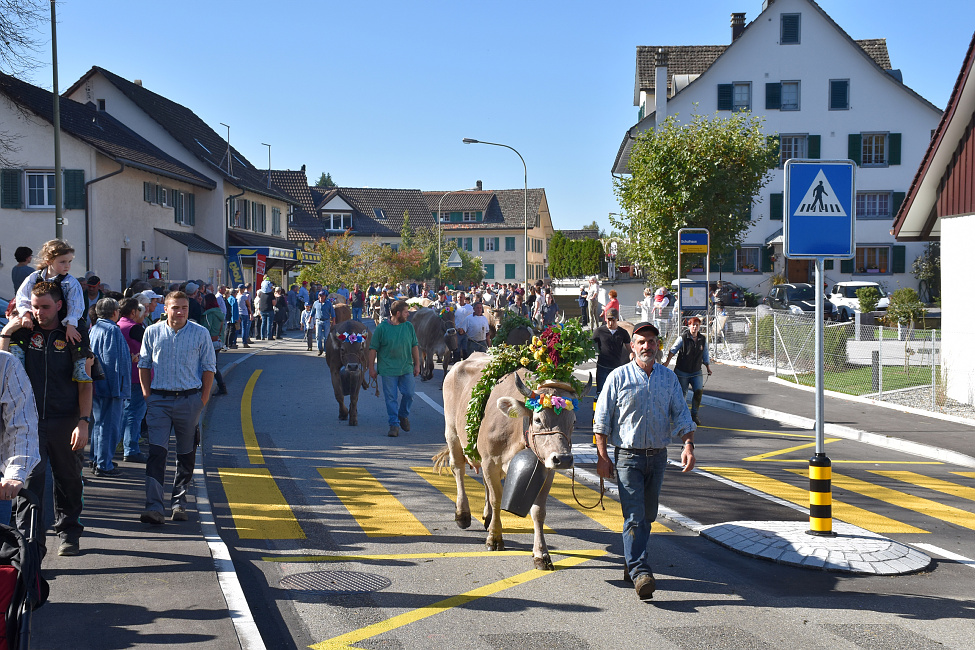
column 524, row 390
column 585, row 391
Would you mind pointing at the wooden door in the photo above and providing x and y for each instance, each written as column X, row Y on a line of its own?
column 797, row 270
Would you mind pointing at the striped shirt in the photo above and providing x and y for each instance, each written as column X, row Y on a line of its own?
column 178, row 358
column 635, row 410
column 18, row 424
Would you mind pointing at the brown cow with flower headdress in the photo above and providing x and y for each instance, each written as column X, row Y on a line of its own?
column 515, row 417
column 346, row 353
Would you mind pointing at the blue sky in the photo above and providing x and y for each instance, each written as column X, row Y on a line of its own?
column 381, row 93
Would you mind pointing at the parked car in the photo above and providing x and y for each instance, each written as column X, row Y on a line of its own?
column 731, row 295
column 844, row 298
column 797, row 298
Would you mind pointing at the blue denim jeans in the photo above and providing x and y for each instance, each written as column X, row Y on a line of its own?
column 135, row 411
column 357, row 314
column 267, row 320
column 403, row 384
column 107, row 430
column 322, row 328
column 245, row 329
column 696, row 382
column 639, row 479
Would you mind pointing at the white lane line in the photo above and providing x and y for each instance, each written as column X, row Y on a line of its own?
column 436, row 407
column 960, row 559
column 744, row 488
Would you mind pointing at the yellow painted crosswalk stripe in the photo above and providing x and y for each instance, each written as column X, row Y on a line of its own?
column 257, row 505
column 254, row 454
column 904, row 500
column 842, row 511
column 780, row 452
column 374, row 508
column 611, row 517
column 929, row 483
column 370, row 631
column 475, row 498
column 965, row 474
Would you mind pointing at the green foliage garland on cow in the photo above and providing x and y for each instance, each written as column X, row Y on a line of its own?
column 551, row 356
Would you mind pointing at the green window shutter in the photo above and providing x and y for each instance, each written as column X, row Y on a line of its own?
column 773, row 96
column 456, row 217
column 897, row 198
column 497, row 243
column 847, row 266
column 469, row 245
column 766, row 259
column 894, row 149
column 74, row 189
column 509, row 271
column 147, row 192
column 480, row 243
column 827, row 265
column 489, row 271
column 775, row 206
column 10, row 184
column 509, row 243
column 725, row 96
column 839, row 94
column 191, row 209
column 159, row 194
column 480, row 216
column 813, row 144
column 853, row 148
column 790, row 28
column 177, row 208
column 898, row 263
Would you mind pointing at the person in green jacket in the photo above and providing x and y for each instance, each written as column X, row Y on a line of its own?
column 215, row 320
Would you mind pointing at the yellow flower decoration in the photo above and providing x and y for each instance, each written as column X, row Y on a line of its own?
column 524, row 361
column 536, row 341
column 543, row 368
column 568, row 405
column 547, row 401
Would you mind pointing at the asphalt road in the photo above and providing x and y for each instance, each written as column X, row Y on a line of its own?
column 343, row 537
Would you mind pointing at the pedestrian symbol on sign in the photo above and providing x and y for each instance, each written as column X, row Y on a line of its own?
column 820, row 199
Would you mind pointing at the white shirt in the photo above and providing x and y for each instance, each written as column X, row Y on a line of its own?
column 477, row 328
column 461, row 316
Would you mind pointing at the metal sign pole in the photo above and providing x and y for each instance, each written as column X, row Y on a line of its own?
column 820, row 466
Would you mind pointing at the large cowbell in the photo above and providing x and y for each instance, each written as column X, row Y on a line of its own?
column 526, row 476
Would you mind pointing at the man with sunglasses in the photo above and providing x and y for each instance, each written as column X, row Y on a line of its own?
column 612, row 347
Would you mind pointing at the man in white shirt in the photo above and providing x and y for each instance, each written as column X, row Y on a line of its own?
column 477, row 330
column 461, row 316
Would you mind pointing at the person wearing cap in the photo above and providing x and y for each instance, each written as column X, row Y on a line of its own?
column 93, row 293
column 324, row 315
column 612, row 347
column 152, row 306
column 692, row 352
column 640, row 413
column 192, row 291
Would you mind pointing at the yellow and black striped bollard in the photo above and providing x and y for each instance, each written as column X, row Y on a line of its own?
column 820, row 496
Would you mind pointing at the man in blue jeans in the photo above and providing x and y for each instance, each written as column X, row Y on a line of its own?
column 323, row 314
column 394, row 343
column 634, row 412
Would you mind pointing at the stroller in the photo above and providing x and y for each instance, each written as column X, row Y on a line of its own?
column 22, row 589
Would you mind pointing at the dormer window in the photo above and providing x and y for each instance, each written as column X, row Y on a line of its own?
column 337, row 221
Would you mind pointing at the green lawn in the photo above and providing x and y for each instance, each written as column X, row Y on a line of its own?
column 859, row 381
column 890, row 334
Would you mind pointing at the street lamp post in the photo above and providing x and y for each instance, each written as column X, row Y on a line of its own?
column 496, row 144
column 439, row 222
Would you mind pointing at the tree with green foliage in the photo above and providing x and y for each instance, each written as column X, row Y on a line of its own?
column 868, row 298
column 704, row 174
column 595, row 226
column 325, row 180
column 406, row 232
column 905, row 307
column 927, row 268
column 573, row 258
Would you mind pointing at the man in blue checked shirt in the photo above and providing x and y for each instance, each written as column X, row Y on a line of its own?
column 634, row 414
column 324, row 315
column 176, row 368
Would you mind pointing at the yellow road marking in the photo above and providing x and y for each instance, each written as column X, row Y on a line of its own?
column 412, row 556
column 904, row 500
column 930, row 483
column 257, row 505
column 611, row 517
column 390, row 624
column 771, row 454
column 374, row 508
column 965, row 474
column 254, row 454
column 842, row 511
column 475, row 498
column 762, row 431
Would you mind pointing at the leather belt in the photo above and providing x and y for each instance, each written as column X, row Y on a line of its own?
column 175, row 393
column 643, row 452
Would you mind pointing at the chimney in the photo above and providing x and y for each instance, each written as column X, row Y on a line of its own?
column 660, row 86
column 737, row 26
column 302, row 169
column 138, row 82
column 479, row 185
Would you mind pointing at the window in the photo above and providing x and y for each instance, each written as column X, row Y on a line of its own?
column 747, row 259
column 873, row 152
column 509, row 244
column 379, row 214
column 790, row 96
column 489, row 271
column 470, row 216
column 789, row 34
column 489, row 243
column 791, row 146
column 259, row 212
column 337, row 221
column 839, row 94
column 275, row 221
column 509, row 271
column 40, row 190
column 469, row 244
column 742, row 97
column 873, row 259
column 444, row 217
column 873, row 205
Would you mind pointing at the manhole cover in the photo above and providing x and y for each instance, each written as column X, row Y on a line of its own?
column 335, row 582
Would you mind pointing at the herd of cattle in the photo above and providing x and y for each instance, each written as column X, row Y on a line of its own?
column 503, row 432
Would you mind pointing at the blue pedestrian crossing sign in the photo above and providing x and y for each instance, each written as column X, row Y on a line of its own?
column 820, row 213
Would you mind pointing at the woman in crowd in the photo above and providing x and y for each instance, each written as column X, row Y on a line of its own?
column 215, row 320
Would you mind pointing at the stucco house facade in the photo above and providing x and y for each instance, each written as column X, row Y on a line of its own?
column 827, row 96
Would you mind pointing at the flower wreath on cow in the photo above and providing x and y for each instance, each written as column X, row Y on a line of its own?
column 549, row 359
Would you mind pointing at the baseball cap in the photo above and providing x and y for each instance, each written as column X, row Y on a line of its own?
column 192, row 287
column 323, row 293
column 240, row 286
column 151, row 295
column 643, row 325
column 93, row 280
column 612, row 313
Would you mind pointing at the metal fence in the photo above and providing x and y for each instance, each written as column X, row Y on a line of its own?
column 901, row 365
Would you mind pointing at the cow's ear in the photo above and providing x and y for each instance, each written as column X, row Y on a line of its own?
column 512, row 408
